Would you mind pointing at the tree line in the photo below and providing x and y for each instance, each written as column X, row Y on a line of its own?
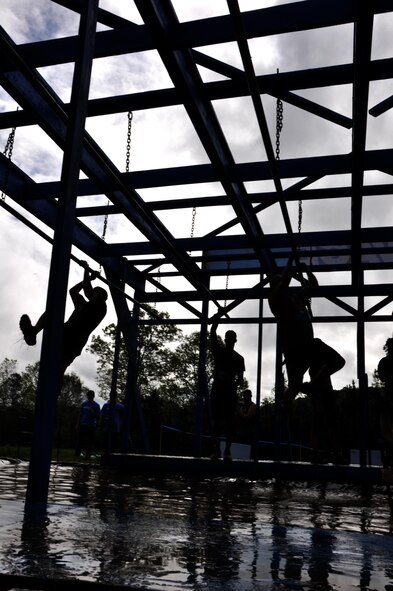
column 167, row 371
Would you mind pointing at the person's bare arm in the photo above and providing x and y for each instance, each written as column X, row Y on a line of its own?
column 85, row 285
column 74, row 292
column 310, row 284
column 284, row 279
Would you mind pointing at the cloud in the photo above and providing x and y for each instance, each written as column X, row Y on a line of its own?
column 165, row 137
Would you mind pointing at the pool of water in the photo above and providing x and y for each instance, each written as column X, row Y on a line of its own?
column 216, row 534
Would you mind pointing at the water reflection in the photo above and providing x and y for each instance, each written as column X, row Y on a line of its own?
column 181, row 534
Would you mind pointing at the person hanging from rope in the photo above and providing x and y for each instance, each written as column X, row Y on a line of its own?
column 292, row 312
column 324, row 362
column 87, row 315
column 228, row 374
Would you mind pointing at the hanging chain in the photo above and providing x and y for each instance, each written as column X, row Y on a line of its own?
column 193, row 216
column 103, row 236
column 300, row 216
column 130, row 117
column 193, row 222
column 279, row 125
column 7, row 152
column 128, row 156
column 227, row 281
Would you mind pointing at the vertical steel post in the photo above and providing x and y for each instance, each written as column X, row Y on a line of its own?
column 362, row 377
column 113, row 391
column 259, row 377
column 278, row 397
column 202, row 394
column 49, row 382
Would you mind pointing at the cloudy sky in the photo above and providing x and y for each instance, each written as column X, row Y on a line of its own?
column 165, row 137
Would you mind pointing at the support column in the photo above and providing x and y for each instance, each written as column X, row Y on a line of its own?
column 278, row 397
column 259, row 377
column 202, row 387
column 113, row 392
column 362, row 377
column 49, row 381
column 129, row 325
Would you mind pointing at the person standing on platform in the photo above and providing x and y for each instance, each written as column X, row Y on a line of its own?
column 385, row 373
column 112, row 421
column 89, row 415
column 247, row 414
column 228, row 374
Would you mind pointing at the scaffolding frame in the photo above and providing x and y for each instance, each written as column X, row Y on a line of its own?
column 199, row 259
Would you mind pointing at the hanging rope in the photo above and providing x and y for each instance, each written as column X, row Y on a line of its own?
column 7, row 152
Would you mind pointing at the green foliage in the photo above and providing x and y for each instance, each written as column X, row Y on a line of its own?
column 153, row 356
column 17, row 402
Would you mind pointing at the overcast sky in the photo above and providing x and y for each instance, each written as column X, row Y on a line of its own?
column 165, row 137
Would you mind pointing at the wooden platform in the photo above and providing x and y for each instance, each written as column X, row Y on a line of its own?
column 168, row 466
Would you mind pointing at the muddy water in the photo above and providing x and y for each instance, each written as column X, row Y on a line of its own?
column 172, row 534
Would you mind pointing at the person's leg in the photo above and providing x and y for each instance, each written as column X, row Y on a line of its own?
column 79, row 441
column 230, row 427
column 325, row 362
column 29, row 330
column 90, row 433
column 215, row 431
column 297, row 366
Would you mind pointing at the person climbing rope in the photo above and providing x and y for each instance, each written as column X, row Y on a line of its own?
column 87, row 315
column 291, row 310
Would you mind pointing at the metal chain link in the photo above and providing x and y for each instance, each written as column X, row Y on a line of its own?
column 279, row 125
column 128, row 156
column 193, row 222
column 193, row 216
column 227, row 281
column 130, row 117
column 7, row 152
column 300, row 216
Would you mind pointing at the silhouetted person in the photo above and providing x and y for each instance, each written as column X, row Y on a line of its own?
column 324, row 362
column 246, row 413
column 89, row 415
column 87, row 315
column 385, row 373
column 111, row 425
column 228, row 374
column 291, row 310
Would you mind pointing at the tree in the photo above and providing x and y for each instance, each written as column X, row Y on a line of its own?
column 153, row 357
column 72, row 391
column 10, row 383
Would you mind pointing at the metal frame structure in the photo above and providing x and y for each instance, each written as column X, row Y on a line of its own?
column 253, row 250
